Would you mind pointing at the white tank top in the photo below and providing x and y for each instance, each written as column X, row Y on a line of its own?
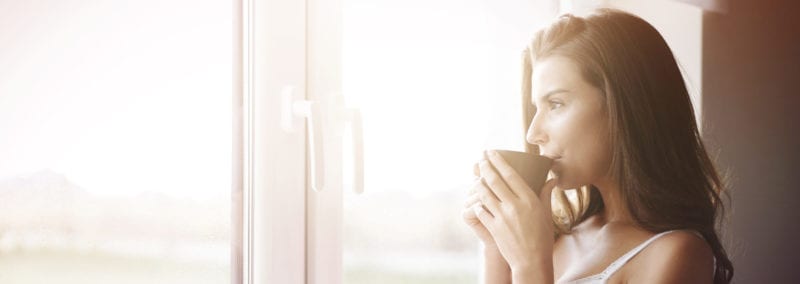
column 602, row 277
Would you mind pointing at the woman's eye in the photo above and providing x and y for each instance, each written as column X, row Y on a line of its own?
column 555, row 105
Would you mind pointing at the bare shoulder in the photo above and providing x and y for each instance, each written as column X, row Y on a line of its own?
column 677, row 257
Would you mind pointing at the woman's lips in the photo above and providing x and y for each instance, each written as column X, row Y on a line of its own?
column 554, row 160
column 552, row 157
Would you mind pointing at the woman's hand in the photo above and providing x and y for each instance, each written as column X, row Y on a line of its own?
column 496, row 268
column 517, row 220
column 471, row 219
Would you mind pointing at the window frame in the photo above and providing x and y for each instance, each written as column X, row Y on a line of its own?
column 296, row 237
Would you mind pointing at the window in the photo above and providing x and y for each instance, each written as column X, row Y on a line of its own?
column 430, row 91
column 115, row 121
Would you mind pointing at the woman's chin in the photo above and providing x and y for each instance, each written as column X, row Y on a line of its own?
column 565, row 183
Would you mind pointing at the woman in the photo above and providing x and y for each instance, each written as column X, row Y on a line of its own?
column 606, row 101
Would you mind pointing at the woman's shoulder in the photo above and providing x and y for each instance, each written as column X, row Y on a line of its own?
column 681, row 243
column 679, row 256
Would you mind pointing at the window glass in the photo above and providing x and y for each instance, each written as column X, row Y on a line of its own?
column 420, row 72
column 115, row 126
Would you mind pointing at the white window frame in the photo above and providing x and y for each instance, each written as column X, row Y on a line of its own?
column 289, row 232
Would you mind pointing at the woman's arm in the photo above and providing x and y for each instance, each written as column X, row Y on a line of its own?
column 496, row 268
column 536, row 271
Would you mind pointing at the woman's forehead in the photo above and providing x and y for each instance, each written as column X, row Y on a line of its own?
column 555, row 73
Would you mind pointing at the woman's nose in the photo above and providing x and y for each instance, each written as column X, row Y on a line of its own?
column 535, row 133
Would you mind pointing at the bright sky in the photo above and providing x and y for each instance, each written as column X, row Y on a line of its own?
column 119, row 96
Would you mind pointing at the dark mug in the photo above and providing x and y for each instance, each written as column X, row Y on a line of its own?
column 532, row 168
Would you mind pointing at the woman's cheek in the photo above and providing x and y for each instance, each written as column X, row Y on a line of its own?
column 564, row 125
column 575, row 142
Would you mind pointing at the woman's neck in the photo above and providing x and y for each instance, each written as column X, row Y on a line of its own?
column 615, row 210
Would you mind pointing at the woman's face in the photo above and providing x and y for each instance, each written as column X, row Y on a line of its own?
column 570, row 124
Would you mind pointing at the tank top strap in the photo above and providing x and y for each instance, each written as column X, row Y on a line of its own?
column 614, row 266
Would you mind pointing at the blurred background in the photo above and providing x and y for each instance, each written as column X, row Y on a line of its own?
column 115, row 141
column 751, row 66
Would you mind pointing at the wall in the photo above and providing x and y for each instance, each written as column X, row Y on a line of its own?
column 751, row 66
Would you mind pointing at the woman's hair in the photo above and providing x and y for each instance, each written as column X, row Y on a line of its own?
column 666, row 177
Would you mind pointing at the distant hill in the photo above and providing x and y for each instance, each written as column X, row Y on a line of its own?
column 46, row 205
column 46, row 208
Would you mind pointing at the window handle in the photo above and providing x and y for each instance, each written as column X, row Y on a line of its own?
column 357, row 131
column 293, row 109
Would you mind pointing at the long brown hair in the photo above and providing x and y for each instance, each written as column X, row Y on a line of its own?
column 666, row 177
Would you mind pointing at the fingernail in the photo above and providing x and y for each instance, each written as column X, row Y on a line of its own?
column 492, row 152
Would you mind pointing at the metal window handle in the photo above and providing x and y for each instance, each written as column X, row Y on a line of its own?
column 293, row 109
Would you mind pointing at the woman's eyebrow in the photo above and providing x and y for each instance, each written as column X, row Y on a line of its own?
column 550, row 93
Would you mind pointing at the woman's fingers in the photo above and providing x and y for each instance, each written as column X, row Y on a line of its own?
column 484, row 216
column 472, row 199
column 472, row 220
column 495, row 183
column 468, row 209
column 546, row 194
column 487, row 197
column 477, row 187
column 482, row 196
column 514, row 181
column 468, row 214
